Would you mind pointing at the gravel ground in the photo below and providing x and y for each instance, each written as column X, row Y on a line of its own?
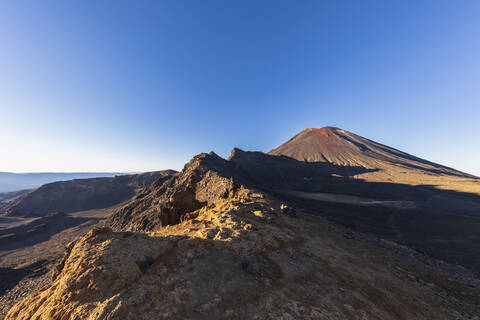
column 23, row 288
column 26, row 269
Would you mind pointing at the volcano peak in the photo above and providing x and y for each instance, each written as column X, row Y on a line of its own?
column 343, row 148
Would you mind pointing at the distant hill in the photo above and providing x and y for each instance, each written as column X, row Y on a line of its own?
column 19, row 181
column 9, row 196
column 81, row 194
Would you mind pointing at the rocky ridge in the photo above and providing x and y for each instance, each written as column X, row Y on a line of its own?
column 204, row 179
column 208, row 177
column 244, row 256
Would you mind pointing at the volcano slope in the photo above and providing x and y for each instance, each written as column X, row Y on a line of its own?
column 342, row 148
column 211, row 243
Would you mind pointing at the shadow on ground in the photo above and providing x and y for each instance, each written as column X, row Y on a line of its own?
column 9, row 277
column 442, row 223
column 39, row 230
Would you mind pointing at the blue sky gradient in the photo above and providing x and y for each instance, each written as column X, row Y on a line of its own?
column 135, row 86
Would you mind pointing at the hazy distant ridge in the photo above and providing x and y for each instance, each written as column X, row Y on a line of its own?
column 17, row 181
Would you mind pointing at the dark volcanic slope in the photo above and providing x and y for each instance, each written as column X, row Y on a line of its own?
column 81, row 194
column 9, row 196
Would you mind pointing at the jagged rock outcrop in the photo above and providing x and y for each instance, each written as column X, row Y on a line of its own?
column 241, row 257
column 81, row 194
column 206, row 178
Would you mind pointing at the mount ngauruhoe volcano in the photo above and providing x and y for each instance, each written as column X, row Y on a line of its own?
column 329, row 225
column 342, row 148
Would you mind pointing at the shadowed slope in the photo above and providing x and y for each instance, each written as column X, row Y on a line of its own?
column 81, row 194
column 9, row 196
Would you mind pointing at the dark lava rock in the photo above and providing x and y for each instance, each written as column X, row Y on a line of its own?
column 289, row 211
column 144, row 262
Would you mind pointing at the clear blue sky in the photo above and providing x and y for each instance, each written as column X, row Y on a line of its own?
column 137, row 85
